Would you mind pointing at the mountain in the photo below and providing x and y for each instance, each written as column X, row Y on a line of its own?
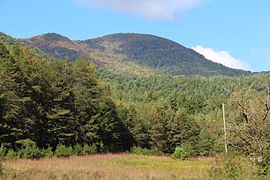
column 160, row 53
column 56, row 45
column 7, row 39
column 132, row 53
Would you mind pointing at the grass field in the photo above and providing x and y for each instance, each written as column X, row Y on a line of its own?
column 109, row 166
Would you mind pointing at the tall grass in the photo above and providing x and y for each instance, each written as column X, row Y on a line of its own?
column 147, row 152
column 109, row 166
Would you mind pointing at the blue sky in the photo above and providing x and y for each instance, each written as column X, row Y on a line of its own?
column 235, row 33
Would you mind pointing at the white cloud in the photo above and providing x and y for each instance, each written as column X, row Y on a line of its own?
column 222, row 57
column 151, row 9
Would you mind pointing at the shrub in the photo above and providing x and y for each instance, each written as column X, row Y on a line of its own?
column 264, row 165
column 63, row 151
column 11, row 154
column 137, row 150
column 78, row 150
column 232, row 168
column 102, row 148
column 154, row 152
column 89, row 149
column 147, row 152
column 184, row 151
column 48, row 152
column 30, row 152
column 2, row 152
column 180, row 153
column 29, row 149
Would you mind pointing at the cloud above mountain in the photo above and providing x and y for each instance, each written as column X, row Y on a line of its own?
column 150, row 9
column 222, row 57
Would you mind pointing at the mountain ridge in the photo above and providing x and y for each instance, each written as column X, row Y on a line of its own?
column 130, row 52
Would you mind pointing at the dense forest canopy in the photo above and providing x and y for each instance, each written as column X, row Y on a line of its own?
column 52, row 102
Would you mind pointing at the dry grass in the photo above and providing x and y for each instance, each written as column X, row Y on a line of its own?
column 110, row 166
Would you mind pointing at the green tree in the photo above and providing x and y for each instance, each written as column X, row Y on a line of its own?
column 249, row 121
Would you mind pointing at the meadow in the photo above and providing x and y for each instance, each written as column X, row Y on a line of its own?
column 107, row 166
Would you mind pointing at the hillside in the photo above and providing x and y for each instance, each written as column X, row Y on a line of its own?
column 132, row 53
column 159, row 53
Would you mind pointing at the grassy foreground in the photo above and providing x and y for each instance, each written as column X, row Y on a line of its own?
column 109, row 166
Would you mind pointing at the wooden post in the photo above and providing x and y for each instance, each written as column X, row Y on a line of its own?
column 225, row 130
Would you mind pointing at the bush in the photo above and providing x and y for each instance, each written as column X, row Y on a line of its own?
column 30, row 152
column 183, row 152
column 78, row 150
column 147, row 152
column 87, row 150
column 28, row 149
column 11, row 154
column 102, row 148
column 63, row 151
column 264, row 165
column 232, row 168
column 48, row 152
column 180, row 153
column 2, row 152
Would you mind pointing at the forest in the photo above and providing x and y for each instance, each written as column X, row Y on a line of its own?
column 48, row 104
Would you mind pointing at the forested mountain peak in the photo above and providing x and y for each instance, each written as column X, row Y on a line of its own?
column 140, row 54
column 50, row 37
column 159, row 53
column 138, row 42
column 55, row 45
column 130, row 39
column 6, row 38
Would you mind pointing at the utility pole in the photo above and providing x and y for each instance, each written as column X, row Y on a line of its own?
column 225, row 130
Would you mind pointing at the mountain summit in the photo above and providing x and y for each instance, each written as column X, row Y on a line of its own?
column 159, row 53
column 131, row 52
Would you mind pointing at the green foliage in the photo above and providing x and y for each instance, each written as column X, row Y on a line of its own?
column 102, row 148
column 3, row 152
column 249, row 120
column 78, row 150
column 207, row 145
column 11, row 154
column 145, row 151
column 232, row 168
column 87, row 150
column 180, row 153
column 264, row 165
column 63, row 151
column 170, row 129
column 26, row 143
column 48, row 152
column 29, row 150
column 45, row 103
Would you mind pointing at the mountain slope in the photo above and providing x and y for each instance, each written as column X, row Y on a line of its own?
column 56, row 45
column 132, row 53
column 159, row 53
